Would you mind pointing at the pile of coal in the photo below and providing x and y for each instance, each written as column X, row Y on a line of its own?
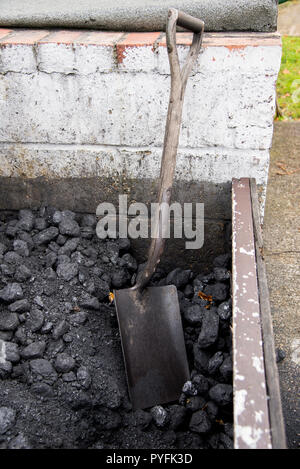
column 62, row 378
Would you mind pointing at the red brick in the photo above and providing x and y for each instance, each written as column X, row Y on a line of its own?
column 4, row 32
column 61, row 37
column 99, row 38
column 140, row 39
column 135, row 40
column 182, row 39
column 24, row 36
column 228, row 40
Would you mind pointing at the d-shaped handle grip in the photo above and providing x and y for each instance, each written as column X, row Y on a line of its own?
column 190, row 22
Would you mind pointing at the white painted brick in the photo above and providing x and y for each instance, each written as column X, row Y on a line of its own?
column 139, row 59
column 17, row 58
column 83, row 113
column 92, row 59
column 75, row 58
column 130, row 109
column 58, row 58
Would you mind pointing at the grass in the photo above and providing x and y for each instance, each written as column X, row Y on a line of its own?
column 288, row 83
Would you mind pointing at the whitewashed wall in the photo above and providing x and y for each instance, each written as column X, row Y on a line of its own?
column 85, row 109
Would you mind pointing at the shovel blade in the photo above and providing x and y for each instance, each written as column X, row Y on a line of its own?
column 153, row 344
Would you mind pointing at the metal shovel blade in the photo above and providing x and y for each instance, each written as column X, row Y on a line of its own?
column 153, row 344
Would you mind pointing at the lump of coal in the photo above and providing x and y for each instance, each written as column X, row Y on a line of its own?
column 11, row 292
column 280, row 355
column 221, row 274
column 120, row 278
column 7, row 419
column 226, row 369
column 221, row 394
column 45, row 236
column 22, row 273
column 177, row 416
column 140, row 419
column 124, row 244
column 34, row 350
column 35, row 319
column 84, row 377
column 69, row 227
column 212, row 410
column 64, row 363
column 90, row 302
column 200, row 359
column 40, row 224
column 215, row 362
column 188, row 291
column 129, row 262
column 178, row 277
column 69, row 246
column 8, row 321
column 194, row 314
column 88, row 220
column 67, row 271
column 21, row 247
column 160, row 416
column 224, row 310
column 11, row 352
column 200, row 423
column 19, row 306
column 218, row 291
column 42, row 367
column 42, row 389
column 222, row 261
column 78, row 318
column 209, row 329
column 201, row 383
column 189, row 389
column 60, row 329
column 195, row 403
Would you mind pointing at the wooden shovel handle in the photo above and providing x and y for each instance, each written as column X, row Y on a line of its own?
column 189, row 22
column 178, row 84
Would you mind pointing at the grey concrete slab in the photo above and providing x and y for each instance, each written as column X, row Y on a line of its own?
column 282, row 255
column 138, row 15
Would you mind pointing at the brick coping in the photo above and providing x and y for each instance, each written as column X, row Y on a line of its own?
column 231, row 40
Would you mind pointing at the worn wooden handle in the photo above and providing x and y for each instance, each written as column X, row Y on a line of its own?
column 190, row 22
column 178, row 84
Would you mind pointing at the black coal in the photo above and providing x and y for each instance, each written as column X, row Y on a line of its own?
column 62, row 380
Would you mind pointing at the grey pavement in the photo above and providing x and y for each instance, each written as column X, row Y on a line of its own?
column 282, row 255
column 289, row 18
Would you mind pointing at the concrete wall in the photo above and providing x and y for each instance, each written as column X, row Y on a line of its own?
column 83, row 117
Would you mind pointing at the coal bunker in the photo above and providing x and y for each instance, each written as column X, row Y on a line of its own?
column 62, row 378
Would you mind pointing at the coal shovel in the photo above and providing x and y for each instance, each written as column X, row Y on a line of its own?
column 149, row 317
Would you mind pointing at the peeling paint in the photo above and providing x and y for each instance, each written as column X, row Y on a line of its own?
column 249, row 435
column 257, row 363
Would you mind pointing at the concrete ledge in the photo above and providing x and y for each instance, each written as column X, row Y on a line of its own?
column 135, row 15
